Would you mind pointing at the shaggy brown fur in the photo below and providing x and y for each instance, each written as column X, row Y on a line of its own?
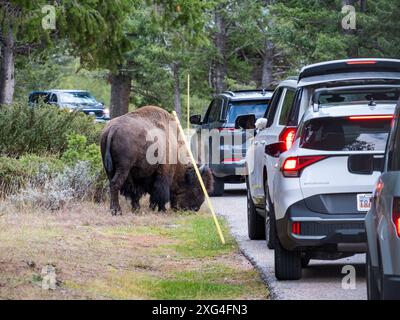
column 124, row 147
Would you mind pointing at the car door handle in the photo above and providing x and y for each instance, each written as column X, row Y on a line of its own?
column 263, row 142
column 256, row 143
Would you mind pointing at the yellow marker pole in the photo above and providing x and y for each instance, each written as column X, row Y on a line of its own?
column 196, row 169
column 188, row 104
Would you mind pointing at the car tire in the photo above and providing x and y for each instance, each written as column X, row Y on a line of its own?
column 372, row 283
column 287, row 263
column 270, row 232
column 255, row 222
column 219, row 187
column 305, row 262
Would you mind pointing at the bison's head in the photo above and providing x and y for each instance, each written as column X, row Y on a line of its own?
column 190, row 195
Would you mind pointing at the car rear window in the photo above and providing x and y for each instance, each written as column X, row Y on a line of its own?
column 357, row 96
column 239, row 108
column 345, row 134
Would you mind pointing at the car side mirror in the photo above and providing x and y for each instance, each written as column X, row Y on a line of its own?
column 246, row 122
column 195, row 119
column 275, row 149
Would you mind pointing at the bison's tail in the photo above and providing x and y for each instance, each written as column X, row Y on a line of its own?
column 108, row 162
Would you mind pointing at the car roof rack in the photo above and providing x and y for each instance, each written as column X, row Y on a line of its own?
column 234, row 92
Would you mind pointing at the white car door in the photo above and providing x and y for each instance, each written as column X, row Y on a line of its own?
column 274, row 132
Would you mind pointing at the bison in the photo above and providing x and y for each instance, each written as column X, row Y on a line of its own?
column 128, row 145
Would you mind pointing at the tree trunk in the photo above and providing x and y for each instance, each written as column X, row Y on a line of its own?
column 120, row 94
column 220, row 69
column 7, row 69
column 177, row 89
column 267, row 78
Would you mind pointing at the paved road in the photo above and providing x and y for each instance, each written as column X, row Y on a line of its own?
column 321, row 280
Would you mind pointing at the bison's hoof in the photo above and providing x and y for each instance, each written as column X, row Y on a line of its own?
column 116, row 212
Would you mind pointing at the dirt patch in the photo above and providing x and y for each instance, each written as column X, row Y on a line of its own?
column 135, row 256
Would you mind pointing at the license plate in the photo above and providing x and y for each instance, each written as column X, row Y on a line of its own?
column 364, row 201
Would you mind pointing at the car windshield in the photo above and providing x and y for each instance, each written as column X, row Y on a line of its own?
column 76, row 97
column 356, row 96
column 239, row 108
column 345, row 134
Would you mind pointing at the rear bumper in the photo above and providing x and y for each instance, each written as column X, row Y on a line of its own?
column 336, row 233
column 391, row 287
column 231, row 172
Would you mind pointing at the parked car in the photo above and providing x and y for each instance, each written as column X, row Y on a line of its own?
column 264, row 204
column 328, row 175
column 220, row 141
column 276, row 126
column 383, row 225
column 73, row 100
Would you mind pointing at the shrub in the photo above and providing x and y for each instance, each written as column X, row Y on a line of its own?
column 53, row 192
column 42, row 129
column 17, row 173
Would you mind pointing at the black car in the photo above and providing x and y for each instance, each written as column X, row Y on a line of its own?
column 78, row 100
column 219, row 141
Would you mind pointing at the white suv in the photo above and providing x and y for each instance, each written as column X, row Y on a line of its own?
column 290, row 100
column 324, row 184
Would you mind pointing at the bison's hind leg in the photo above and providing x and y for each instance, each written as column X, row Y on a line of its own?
column 134, row 190
column 159, row 195
column 115, row 186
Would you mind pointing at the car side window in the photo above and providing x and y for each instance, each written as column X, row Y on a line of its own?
column 215, row 111
column 274, row 106
column 53, row 98
column 286, row 107
column 295, row 109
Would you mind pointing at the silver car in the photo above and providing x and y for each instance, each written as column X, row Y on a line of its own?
column 383, row 224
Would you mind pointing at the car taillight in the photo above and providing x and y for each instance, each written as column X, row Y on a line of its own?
column 296, row 229
column 230, row 160
column 396, row 215
column 293, row 166
column 287, row 136
column 226, row 129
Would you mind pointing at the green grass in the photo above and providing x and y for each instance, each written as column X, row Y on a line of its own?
column 198, row 237
column 149, row 256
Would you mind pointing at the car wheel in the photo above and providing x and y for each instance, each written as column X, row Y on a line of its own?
column 270, row 232
column 287, row 263
column 305, row 261
column 372, row 284
column 219, row 187
column 255, row 222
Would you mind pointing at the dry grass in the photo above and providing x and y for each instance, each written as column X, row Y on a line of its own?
column 136, row 256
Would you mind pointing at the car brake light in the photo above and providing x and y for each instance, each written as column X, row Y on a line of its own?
column 296, row 228
column 226, row 129
column 378, row 117
column 396, row 215
column 293, row 166
column 361, row 62
column 287, row 136
column 229, row 160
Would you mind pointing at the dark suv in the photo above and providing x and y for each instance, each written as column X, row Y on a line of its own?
column 220, row 140
column 72, row 100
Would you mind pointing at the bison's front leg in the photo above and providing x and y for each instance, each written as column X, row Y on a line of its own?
column 116, row 184
column 159, row 195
